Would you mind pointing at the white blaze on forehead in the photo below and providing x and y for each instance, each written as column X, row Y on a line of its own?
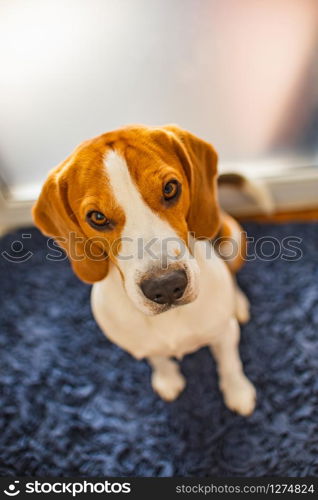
column 141, row 221
column 147, row 240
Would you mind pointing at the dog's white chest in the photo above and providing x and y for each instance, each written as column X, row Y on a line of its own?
column 175, row 332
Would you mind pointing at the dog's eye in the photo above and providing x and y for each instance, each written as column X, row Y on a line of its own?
column 171, row 190
column 99, row 221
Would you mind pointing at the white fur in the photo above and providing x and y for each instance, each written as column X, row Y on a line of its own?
column 209, row 320
column 143, row 227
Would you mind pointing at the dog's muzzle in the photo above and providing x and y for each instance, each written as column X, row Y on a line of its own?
column 165, row 288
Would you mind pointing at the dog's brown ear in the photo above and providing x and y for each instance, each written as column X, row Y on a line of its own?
column 199, row 161
column 54, row 215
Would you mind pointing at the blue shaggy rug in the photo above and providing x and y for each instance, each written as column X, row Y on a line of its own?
column 73, row 404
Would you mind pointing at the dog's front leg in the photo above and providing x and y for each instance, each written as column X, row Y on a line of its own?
column 242, row 309
column 238, row 392
column 166, row 378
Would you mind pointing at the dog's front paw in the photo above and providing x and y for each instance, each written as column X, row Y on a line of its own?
column 239, row 395
column 168, row 384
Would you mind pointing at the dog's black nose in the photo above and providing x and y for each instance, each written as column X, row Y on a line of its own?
column 165, row 288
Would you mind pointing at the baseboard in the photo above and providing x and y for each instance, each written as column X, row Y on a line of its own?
column 291, row 190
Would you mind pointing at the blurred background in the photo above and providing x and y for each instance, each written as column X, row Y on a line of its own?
column 241, row 74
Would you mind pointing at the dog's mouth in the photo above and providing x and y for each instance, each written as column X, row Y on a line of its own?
column 167, row 307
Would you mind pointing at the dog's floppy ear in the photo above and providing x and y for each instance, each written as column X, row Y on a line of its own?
column 199, row 161
column 54, row 215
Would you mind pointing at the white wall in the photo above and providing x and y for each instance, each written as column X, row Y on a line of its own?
column 71, row 69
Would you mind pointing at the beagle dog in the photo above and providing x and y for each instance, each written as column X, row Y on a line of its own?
column 137, row 213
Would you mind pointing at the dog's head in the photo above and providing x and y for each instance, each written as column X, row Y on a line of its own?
column 130, row 198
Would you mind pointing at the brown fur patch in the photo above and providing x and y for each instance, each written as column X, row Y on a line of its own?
column 231, row 229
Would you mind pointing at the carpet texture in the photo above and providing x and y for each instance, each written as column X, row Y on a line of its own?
column 73, row 404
